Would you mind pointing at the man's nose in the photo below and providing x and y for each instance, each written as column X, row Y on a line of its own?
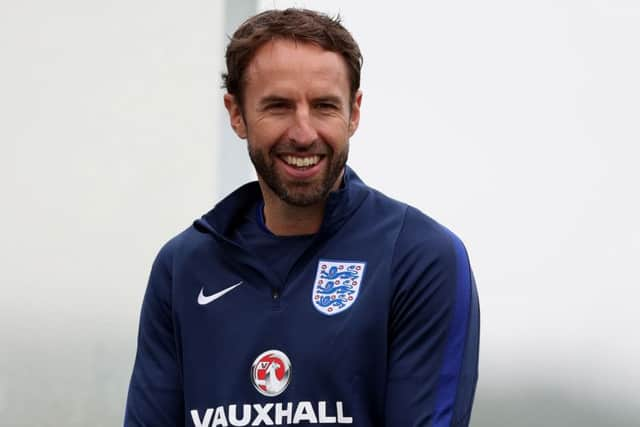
column 302, row 130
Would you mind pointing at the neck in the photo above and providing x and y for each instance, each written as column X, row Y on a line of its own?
column 284, row 219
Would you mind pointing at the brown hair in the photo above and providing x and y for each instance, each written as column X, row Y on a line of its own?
column 300, row 25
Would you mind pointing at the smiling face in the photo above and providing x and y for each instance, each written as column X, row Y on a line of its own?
column 297, row 118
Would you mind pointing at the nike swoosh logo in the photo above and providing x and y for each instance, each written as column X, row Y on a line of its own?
column 204, row 300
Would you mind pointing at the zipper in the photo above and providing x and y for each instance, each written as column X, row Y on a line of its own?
column 275, row 298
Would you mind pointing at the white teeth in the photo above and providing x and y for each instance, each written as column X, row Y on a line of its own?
column 301, row 162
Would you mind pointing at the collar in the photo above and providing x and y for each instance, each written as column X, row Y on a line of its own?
column 223, row 218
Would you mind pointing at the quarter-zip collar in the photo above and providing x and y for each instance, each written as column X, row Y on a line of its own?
column 223, row 218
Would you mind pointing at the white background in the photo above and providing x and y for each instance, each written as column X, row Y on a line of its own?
column 516, row 124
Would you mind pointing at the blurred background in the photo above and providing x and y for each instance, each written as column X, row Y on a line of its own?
column 516, row 124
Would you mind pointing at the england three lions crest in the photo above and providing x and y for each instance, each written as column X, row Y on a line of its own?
column 337, row 285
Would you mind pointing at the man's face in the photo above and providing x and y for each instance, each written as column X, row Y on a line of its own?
column 297, row 119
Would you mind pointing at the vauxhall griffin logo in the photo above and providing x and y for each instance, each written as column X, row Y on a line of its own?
column 271, row 373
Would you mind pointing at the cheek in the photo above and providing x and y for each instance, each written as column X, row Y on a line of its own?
column 335, row 134
column 264, row 135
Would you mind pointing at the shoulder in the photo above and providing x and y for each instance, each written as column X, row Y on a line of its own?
column 167, row 265
column 416, row 234
column 416, row 230
column 429, row 260
column 424, row 236
column 177, row 247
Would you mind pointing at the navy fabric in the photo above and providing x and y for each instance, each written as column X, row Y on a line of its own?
column 452, row 369
column 403, row 354
column 278, row 252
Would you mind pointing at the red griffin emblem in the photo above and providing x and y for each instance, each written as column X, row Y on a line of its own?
column 271, row 373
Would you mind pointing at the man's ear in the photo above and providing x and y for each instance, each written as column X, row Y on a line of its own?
column 236, row 119
column 354, row 120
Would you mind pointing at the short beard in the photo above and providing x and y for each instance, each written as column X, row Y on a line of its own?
column 300, row 194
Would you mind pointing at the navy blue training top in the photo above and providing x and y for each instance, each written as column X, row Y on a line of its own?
column 375, row 323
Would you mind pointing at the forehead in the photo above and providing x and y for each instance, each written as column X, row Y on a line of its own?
column 285, row 65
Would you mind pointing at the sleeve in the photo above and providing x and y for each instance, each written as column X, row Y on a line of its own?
column 434, row 330
column 155, row 397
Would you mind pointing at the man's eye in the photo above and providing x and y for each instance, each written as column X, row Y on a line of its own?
column 277, row 106
column 326, row 106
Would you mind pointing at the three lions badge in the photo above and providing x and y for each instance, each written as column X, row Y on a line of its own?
column 337, row 285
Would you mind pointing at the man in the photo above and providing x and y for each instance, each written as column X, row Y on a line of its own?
column 307, row 297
